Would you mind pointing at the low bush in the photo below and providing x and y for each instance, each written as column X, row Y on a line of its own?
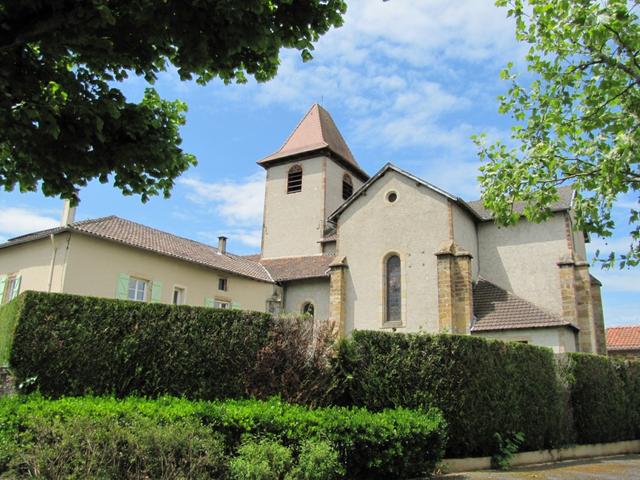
column 605, row 398
column 77, row 345
column 139, row 438
column 483, row 387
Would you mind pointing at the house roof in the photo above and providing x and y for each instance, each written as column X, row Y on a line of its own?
column 390, row 167
column 564, row 202
column 497, row 309
column 623, row 338
column 316, row 132
column 298, row 268
column 133, row 234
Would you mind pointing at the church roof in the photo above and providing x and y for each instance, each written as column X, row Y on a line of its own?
column 298, row 268
column 133, row 234
column 497, row 309
column 564, row 202
column 316, row 133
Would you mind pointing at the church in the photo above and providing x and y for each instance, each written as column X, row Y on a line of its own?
column 387, row 251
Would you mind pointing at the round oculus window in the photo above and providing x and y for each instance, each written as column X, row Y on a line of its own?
column 392, row 197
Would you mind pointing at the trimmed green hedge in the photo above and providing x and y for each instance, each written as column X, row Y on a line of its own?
column 483, row 387
column 77, row 345
column 605, row 397
column 129, row 438
column 73, row 345
column 8, row 319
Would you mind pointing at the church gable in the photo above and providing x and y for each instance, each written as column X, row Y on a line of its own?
column 395, row 217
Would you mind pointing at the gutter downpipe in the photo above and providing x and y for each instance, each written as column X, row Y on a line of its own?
column 53, row 261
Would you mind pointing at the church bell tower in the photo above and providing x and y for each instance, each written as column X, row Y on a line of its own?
column 307, row 179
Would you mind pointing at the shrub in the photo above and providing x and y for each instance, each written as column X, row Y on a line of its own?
column 8, row 320
column 295, row 362
column 77, row 345
column 73, row 436
column 261, row 460
column 605, row 397
column 318, row 460
column 85, row 447
column 483, row 387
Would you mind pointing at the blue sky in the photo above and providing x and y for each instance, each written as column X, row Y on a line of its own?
column 406, row 81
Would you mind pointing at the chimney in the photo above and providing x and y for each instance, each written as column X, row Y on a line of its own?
column 68, row 214
column 222, row 244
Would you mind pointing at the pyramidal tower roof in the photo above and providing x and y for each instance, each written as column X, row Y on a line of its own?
column 316, row 133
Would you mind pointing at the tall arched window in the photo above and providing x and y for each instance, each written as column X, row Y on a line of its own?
column 393, row 290
column 347, row 186
column 294, row 179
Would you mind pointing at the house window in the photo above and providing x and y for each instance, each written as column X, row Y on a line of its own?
column 178, row 296
column 138, row 289
column 221, row 304
column 11, row 288
column 223, row 284
column 347, row 186
column 393, row 290
column 308, row 309
column 294, row 179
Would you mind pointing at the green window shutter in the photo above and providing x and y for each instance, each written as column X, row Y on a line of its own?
column 209, row 302
column 3, row 283
column 122, row 289
column 235, row 306
column 16, row 286
column 156, row 292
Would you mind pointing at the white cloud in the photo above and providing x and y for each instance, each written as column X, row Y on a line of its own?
column 382, row 66
column 18, row 221
column 249, row 237
column 238, row 202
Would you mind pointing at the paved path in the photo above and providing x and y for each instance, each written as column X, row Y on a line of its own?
column 625, row 467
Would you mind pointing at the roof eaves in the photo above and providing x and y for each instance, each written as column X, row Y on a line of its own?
column 524, row 326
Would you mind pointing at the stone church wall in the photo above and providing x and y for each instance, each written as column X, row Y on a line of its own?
column 523, row 259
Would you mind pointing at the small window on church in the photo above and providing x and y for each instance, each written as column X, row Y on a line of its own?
column 347, row 187
column 393, row 290
column 294, row 179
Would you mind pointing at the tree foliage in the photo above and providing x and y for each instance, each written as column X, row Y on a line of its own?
column 577, row 117
column 64, row 122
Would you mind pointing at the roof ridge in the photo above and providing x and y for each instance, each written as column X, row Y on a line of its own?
column 228, row 254
column 321, row 110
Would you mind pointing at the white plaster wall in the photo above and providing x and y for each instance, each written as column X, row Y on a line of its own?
column 371, row 228
column 94, row 265
column 299, row 292
column 32, row 261
column 334, row 186
column 294, row 223
column 465, row 235
column 523, row 259
column 560, row 339
column 578, row 239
